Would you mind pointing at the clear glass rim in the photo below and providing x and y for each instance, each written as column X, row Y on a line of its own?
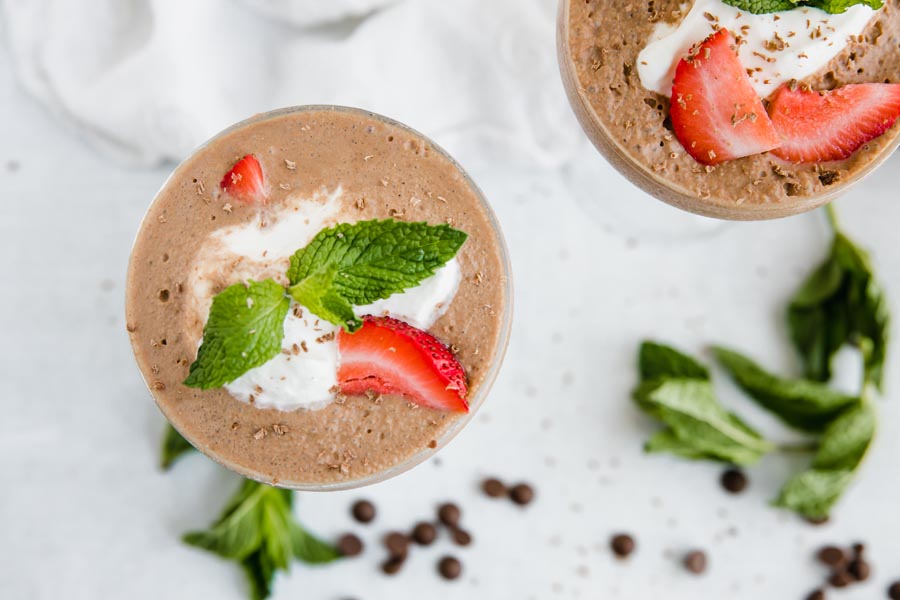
column 503, row 335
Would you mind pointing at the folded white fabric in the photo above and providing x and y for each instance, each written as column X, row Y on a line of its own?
column 149, row 80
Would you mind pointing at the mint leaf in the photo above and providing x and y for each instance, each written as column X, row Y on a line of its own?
column 666, row 440
column 840, row 303
column 802, row 404
column 759, row 7
column 836, row 7
column 244, row 330
column 359, row 263
column 690, row 409
column 258, row 530
column 173, row 447
column 844, row 444
column 657, row 360
column 769, row 6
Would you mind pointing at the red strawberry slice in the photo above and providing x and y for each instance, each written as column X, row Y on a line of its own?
column 715, row 111
column 821, row 126
column 246, row 181
column 388, row 356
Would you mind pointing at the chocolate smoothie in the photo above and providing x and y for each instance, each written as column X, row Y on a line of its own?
column 599, row 42
column 369, row 168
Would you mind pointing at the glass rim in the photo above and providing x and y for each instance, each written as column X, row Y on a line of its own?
column 503, row 334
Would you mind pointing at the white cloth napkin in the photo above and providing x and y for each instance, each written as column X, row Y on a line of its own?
column 149, row 80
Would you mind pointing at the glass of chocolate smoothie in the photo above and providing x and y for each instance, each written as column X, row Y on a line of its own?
column 319, row 298
column 730, row 114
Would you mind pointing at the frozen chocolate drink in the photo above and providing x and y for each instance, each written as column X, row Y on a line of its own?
column 319, row 298
column 731, row 114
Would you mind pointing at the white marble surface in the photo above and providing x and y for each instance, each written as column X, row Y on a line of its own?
column 87, row 515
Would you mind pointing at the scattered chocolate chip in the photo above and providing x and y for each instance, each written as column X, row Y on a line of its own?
column 817, row 520
column 894, row 591
column 449, row 514
column 349, row 545
column 734, row 481
column 622, row 545
column 840, row 579
column 493, row 487
column 424, row 533
column 832, row 556
column 695, row 562
column 859, row 549
column 397, row 544
column 449, row 567
column 816, row 595
column 461, row 537
column 363, row 511
column 392, row 565
column 859, row 569
column 521, row 494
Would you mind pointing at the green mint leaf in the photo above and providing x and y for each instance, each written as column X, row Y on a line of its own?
column 814, row 492
column 310, row 549
column 359, row 263
column 800, row 403
column 257, row 529
column 847, row 438
column 658, row 360
column 260, row 575
column 836, row 7
column 666, row 441
column 759, row 7
column 840, row 303
column 769, row 6
column 690, row 409
column 844, row 444
column 244, row 330
column 173, row 447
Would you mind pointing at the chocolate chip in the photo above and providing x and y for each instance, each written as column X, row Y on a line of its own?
column 840, row 579
column 449, row 514
column 858, row 549
column 734, row 481
column 894, row 591
column 461, row 537
column 397, row 544
column 349, row 545
column 449, row 567
column 622, row 545
column 392, row 565
column 424, row 533
column 695, row 562
column 521, row 494
column 832, row 556
column 816, row 595
column 363, row 511
column 859, row 569
column 817, row 520
column 493, row 487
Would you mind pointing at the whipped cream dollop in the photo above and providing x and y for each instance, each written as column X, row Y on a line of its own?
column 774, row 48
column 304, row 374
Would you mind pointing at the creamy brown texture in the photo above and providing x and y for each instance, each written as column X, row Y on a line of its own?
column 385, row 171
column 605, row 37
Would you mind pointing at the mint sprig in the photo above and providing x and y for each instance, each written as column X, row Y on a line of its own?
column 359, row 263
column 258, row 530
column 343, row 266
column 244, row 330
column 800, row 403
column 676, row 390
column 174, row 446
column 770, row 6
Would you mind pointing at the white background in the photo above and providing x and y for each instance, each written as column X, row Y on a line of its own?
column 86, row 514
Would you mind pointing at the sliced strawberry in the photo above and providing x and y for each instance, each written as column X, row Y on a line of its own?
column 388, row 356
column 246, row 181
column 821, row 126
column 715, row 111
